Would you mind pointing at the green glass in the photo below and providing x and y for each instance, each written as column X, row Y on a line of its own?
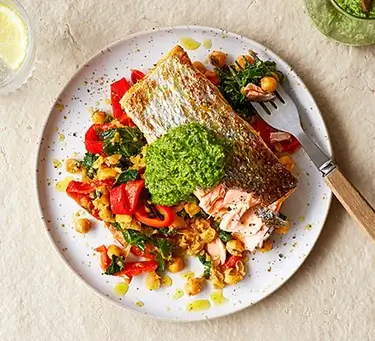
column 339, row 25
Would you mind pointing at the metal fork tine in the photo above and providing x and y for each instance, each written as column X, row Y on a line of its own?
column 281, row 94
column 259, row 109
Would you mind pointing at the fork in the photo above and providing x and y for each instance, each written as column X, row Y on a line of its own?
column 282, row 114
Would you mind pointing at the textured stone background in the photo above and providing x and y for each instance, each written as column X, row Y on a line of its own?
column 331, row 296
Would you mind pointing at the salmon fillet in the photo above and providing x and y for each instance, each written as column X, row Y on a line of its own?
column 174, row 93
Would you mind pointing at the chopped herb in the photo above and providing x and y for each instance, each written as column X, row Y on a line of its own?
column 183, row 214
column 201, row 214
column 117, row 264
column 88, row 162
column 225, row 236
column 117, row 226
column 206, row 261
column 283, row 216
column 124, row 141
column 108, row 118
column 166, row 231
column 124, row 177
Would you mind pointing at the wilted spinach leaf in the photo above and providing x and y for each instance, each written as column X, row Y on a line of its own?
column 207, row 264
column 124, row 177
column 130, row 141
column 225, row 236
column 117, row 264
column 88, row 162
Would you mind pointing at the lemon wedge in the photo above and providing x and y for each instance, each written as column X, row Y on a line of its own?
column 13, row 38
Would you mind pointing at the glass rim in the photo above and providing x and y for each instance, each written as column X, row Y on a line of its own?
column 26, row 68
column 339, row 8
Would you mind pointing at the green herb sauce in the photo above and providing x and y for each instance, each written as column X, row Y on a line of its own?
column 185, row 158
column 354, row 7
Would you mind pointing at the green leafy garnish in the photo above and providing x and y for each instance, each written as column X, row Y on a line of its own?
column 117, row 226
column 126, row 141
column 124, row 177
column 163, row 253
column 232, row 81
column 88, row 162
column 117, row 264
column 207, row 262
column 108, row 118
column 161, row 262
column 166, row 231
column 134, row 237
column 164, row 246
column 225, row 236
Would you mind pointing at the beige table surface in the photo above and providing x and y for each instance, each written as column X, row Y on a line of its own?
column 332, row 295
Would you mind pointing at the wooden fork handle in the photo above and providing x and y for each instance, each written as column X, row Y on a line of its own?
column 353, row 201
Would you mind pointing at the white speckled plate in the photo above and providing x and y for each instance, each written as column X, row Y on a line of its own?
column 62, row 136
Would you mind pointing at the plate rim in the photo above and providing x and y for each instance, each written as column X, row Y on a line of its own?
column 39, row 150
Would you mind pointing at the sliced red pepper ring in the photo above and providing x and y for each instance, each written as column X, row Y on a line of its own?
column 231, row 262
column 136, row 268
column 124, row 198
column 136, row 75
column 165, row 211
column 104, row 259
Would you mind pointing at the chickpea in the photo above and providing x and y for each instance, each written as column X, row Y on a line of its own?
column 268, row 84
column 153, row 281
column 242, row 61
column 217, row 279
column 176, row 265
column 213, row 77
column 99, row 117
column 235, row 247
column 82, row 225
column 232, row 276
column 194, row 286
column 114, row 250
column 218, row 59
column 267, row 246
column 72, row 166
column 199, row 66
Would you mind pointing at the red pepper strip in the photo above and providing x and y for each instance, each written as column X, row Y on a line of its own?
column 93, row 142
column 136, row 268
column 231, row 262
column 290, row 146
column 80, row 193
column 136, row 75
column 133, row 191
column 118, row 90
column 87, row 187
column 136, row 251
column 165, row 211
column 265, row 131
column 124, row 198
column 119, row 201
column 104, row 259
